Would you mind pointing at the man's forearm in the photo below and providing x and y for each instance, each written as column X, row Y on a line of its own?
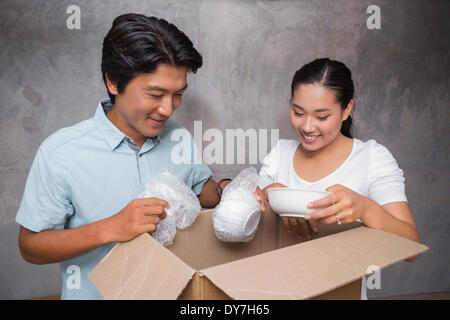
column 52, row 246
column 209, row 197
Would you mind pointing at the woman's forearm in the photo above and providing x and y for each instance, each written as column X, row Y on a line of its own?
column 377, row 217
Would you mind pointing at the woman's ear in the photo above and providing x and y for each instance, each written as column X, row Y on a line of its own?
column 112, row 87
column 348, row 109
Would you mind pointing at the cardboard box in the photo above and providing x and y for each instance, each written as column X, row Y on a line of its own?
column 274, row 265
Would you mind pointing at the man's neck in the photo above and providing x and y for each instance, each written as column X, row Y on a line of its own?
column 123, row 126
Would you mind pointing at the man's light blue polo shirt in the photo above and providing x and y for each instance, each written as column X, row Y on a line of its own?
column 91, row 171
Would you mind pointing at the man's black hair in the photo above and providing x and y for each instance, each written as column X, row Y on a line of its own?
column 138, row 44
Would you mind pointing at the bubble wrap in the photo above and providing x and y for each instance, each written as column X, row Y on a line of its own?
column 184, row 205
column 236, row 217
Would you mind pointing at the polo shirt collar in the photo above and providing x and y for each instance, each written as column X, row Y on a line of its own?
column 149, row 144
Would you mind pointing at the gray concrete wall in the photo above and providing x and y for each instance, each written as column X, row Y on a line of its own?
column 50, row 78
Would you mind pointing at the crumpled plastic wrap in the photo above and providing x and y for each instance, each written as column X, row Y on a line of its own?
column 236, row 217
column 184, row 205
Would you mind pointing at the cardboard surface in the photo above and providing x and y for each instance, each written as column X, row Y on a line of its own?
column 274, row 265
column 141, row 269
column 309, row 269
column 201, row 288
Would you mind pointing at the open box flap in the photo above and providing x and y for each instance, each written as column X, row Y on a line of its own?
column 141, row 269
column 312, row 268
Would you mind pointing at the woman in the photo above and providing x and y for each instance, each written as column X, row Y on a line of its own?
column 363, row 177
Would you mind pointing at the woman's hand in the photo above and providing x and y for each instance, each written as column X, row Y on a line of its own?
column 270, row 186
column 346, row 206
column 298, row 226
column 259, row 197
column 342, row 206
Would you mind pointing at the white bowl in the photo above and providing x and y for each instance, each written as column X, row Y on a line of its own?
column 236, row 220
column 292, row 202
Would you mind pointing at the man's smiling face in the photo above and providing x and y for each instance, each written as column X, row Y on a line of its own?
column 147, row 101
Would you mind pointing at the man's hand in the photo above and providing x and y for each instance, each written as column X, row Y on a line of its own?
column 52, row 246
column 139, row 216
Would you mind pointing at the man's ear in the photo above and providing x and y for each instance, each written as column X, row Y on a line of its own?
column 348, row 110
column 112, row 87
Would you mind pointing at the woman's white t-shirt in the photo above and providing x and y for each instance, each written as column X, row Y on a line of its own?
column 369, row 170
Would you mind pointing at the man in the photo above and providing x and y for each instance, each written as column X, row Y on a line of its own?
column 81, row 193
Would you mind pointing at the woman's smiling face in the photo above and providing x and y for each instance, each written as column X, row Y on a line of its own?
column 316, row 116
